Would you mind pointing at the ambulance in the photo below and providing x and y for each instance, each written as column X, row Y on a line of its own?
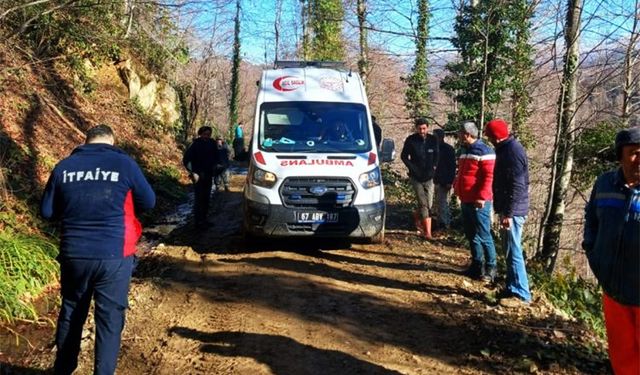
column 314, row 167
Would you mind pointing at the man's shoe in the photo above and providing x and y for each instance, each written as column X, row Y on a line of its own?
column 426, row 224
column 418, row 222
column 513, row 302
column 504, row 293
column 475, row 271
column 490, row 274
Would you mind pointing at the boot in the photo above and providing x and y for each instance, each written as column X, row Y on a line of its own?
column 418, row 222
column 426, row 224
column 490, row 274
column 475, row 271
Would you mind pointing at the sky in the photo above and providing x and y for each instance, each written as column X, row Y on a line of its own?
column 393, row 23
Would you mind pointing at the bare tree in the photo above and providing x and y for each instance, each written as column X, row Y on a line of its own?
column 630, row 61
column 562, row 160
column 363, row 62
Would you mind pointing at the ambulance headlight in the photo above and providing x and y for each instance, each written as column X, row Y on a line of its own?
column 370, row 179
column 263, row 178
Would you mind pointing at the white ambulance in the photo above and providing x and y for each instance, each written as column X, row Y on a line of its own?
column 314, row 168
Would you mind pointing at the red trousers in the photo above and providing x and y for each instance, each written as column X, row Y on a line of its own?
column 623, row 335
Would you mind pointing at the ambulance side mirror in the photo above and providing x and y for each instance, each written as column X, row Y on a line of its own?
column 388, row 150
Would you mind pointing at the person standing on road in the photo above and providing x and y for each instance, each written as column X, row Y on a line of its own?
column 238, row 143
column 221, row 170
column 473, row 186
column 612, row 244
column 95, row 194
column 511, row 203
column 420, row 156
column 200, row 159
column 443, row 179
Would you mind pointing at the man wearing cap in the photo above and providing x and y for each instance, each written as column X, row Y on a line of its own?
column 511, row 203
column 612, row 244
column 473, row 186
column 443, row 179
column 420, row 155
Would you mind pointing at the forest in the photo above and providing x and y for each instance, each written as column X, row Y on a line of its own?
column 563, row 73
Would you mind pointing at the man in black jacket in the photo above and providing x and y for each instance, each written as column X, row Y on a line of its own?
column 443, row 179
column 200, row 159
column 511, row 202
column 420, row 155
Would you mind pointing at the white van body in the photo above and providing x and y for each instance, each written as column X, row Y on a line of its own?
column 313, row 166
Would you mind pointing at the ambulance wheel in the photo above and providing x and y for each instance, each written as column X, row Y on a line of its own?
column 378, row 238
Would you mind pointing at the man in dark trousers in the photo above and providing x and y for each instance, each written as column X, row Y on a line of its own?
column 612, row 244
column 443, row 179
column 420, row 155
column 95, row 194
column 221, row 169
column 200, row 160
column 511, row 202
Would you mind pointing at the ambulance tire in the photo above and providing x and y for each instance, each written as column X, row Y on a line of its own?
column 378, row 238
column 249, row 239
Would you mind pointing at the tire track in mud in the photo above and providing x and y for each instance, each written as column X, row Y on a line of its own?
column 208, row 303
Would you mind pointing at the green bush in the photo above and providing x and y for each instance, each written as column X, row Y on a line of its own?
column 27, row 265
column 594, row 153
column 577, row 297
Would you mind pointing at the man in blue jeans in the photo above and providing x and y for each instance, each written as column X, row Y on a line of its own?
column 511, row 203
column 95, row 194
column 473, row 186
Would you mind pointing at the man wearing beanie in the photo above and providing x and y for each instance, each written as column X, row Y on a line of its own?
column 612, row 244
column 473, row 186
column 420, row 155
column 511, row 203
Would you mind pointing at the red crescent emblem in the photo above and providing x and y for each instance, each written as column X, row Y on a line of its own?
column 277, row 84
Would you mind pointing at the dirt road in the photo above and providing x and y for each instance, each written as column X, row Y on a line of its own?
column 207, row 303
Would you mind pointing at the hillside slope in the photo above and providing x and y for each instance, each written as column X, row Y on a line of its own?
column 45, row 108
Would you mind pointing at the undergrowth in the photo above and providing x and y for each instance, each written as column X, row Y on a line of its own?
column 566, row 290
column 27, row 266
column 575, row 296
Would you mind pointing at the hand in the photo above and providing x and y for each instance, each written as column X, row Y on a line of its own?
column 194, row 177
column 478, row 204
column 505, row 222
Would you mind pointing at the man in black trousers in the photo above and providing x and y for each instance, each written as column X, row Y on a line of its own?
column 200, row 160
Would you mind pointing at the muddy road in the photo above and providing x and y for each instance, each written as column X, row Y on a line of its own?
column 209, row 303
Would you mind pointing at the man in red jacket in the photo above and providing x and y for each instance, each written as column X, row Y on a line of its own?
column 473, row 186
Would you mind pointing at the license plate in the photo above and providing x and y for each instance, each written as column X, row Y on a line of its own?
column 317, row 217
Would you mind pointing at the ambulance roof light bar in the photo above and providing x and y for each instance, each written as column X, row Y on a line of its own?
column 281, row 64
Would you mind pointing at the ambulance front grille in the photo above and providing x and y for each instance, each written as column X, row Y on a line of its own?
column 317, row 192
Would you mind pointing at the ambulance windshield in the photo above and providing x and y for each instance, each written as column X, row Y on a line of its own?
column 314, row 127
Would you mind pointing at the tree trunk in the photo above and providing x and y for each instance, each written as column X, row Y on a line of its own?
column 276, row 26
column 235, row 71
column 563, row 163
column 364, row 48
column 630, row 60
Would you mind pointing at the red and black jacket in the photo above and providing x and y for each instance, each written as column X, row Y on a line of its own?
column 475, row 173
column 95, row 194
